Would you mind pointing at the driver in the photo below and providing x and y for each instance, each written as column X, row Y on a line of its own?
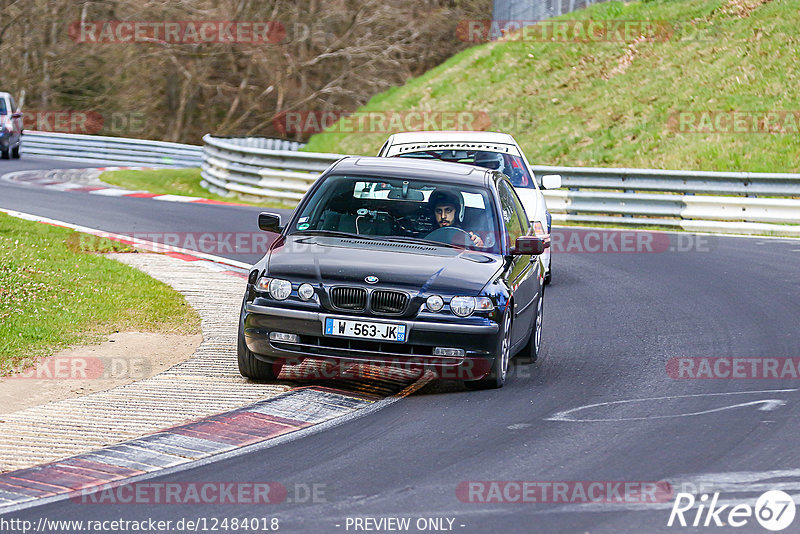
column 448, row 212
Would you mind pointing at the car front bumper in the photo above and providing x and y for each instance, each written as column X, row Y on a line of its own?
column 478, row 339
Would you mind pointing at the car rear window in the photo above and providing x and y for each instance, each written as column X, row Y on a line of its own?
column 512, row 166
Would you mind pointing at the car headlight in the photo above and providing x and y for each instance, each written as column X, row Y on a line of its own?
column 434, row 303
column 305, row 291
column 462, row 306
column 277, row 288
column 280, row 289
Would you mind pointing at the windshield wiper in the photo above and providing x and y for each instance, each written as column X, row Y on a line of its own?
column 334, row 233
column 419, row 241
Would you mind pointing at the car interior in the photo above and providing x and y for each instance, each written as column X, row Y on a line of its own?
column 387, row 209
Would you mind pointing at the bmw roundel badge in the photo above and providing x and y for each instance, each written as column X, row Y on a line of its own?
column 371, row 279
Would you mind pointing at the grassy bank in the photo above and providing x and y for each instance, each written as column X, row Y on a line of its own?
column 56, row 290
column 614, row 103
column 185, row 182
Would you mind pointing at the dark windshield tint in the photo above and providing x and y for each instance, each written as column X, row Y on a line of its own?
column 512, row 166
column 396, row 208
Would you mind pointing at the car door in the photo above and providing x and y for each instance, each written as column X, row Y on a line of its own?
column 522, row 271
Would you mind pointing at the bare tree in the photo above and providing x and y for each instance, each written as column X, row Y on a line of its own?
column 327, row 56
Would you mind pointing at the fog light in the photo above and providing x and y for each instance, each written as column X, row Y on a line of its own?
column 305, row 291
column 434, row 303
column 445, row 351
column 283, row 337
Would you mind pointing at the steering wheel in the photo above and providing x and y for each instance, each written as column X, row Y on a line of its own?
column 451, row 235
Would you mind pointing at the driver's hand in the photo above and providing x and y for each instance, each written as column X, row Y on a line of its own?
column 476, row 240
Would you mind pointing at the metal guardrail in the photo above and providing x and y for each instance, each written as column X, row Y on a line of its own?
column 737, row 202
column 260, row 167
column 102, row 149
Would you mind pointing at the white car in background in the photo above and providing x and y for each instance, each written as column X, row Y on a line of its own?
column 10, row 127
column 493, row 150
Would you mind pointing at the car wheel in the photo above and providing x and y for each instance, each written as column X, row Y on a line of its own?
column 549, row 276
column 5, row 153
column 15, row 152
column 531, row 349
column 249, row 365
column 497, row 376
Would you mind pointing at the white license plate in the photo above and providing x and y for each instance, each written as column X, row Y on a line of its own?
column 365, row 330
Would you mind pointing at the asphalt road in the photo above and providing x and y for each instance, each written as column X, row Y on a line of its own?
column 613, row 321
column 186, row 223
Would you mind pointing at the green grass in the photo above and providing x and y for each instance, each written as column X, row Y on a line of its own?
column 185, row 182
column 55, row 291
column 566, row 103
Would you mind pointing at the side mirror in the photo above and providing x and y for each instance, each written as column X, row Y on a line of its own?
column 16, row 115
column 269, row 222
column 551, row 181
column 530, row 245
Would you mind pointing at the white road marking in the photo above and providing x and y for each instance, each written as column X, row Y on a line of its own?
column 766, row 405
column 176, row 198
column 138, row 243
column 115, row 192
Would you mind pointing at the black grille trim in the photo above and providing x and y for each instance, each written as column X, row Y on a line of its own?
column 384, row 301
column 349, row 298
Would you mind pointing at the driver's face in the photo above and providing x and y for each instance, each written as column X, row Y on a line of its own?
column 445, row 214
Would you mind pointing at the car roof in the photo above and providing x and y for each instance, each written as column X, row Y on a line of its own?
column 434, row 171
column 457, row 135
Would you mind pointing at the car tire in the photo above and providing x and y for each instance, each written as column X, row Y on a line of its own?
column 549, row 276
column 5, row 153
column 250, row 366
column 534, row 345
column 15, row 152
column 497, row 376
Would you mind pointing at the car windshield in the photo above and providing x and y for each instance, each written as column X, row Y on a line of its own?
column 3, row 110
column 398, row 209
column 512, row 166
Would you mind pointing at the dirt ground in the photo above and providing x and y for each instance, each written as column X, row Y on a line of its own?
column 123, row 358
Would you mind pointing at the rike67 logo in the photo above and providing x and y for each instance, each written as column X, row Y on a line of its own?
column 774, row 510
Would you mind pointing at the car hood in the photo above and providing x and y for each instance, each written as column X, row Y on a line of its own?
column 408, row 266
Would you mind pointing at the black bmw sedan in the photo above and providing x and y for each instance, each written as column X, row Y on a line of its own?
column 418, row 264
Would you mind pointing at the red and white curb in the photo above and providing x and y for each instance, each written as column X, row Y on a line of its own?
column 290, row 415
column 286, row 416
column 38, row 179
column 209, row 261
